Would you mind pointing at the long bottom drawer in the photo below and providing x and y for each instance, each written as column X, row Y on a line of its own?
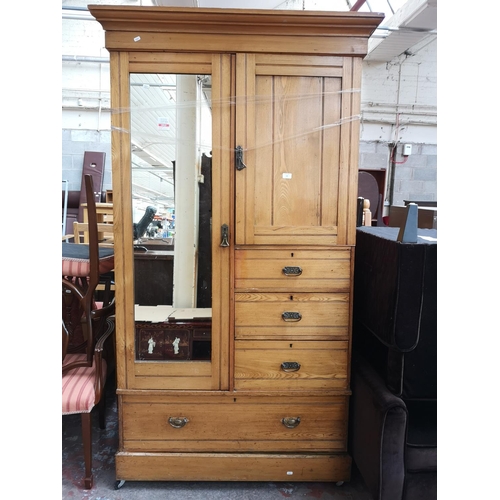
column 232, row 467
column 238, row 424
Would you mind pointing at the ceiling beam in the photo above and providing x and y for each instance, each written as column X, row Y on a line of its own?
column 358, row 5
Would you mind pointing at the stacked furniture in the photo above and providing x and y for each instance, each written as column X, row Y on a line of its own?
column 394, row 378
column 93, row 165
column 271, row 402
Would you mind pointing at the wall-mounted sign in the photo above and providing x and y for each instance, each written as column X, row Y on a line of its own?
column 163, row 123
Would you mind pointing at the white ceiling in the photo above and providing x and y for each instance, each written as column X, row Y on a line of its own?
column 414, row 21
column 413, row 25
column 222, row 4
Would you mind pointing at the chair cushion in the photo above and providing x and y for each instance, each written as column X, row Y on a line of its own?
column 76, row 260
column 78, row 386
column 421, row 444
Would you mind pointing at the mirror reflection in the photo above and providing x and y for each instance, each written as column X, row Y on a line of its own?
column 171, row 136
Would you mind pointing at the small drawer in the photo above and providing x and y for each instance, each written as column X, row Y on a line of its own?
column 284, row 365
column 293, row 270
column 292, row 315
column 236, row 423
column 202, row 334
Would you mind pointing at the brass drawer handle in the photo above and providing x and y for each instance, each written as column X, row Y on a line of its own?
column 290, row 366
column 292, row 271
column 291, row 316
column 178, row 422
column 290, row 422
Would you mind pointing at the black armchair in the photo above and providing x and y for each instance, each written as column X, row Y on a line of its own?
column 394, row 447
column 393, row 438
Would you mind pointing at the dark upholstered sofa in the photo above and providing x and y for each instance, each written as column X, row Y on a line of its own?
column 393, row 415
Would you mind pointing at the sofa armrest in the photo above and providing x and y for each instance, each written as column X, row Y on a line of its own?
column 378, row 428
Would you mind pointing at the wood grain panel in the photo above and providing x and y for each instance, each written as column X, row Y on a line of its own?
column 260, row 314
column 255, row 22
column 332, row 100
column 293, row 65
column 236, row 422
column 321, row 270
column 297, row 145
column 122, row 211
column 232, row 467
column 354, row 158
column 263, row 171
column 290, row 188
column 178, row 42
column 323, row 365
column 221, row 214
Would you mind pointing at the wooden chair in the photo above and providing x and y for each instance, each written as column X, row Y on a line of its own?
column 104, row 233
column 368, row 189
column 105, row 238
column 83, row 389
column 86, row 327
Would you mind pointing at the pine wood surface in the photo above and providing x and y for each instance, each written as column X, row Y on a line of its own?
column 291, row 141
column 323, row 365
column 324, row 270
column 236, row 425
column 286, row 88
column 260, row 314
column 232, row 467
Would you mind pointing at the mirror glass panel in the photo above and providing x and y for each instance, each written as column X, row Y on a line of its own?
column 171, row 136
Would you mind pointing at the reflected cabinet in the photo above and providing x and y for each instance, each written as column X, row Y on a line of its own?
column 234, row 153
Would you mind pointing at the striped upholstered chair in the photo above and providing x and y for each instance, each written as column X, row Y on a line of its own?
column 86, row 326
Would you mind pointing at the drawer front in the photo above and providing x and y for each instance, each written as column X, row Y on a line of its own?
column 210, row 466
column 284, row 365
column 235, row 423
column 291, row 315
column 293, row 270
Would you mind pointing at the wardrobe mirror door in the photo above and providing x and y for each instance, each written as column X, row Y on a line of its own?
column 171, row 144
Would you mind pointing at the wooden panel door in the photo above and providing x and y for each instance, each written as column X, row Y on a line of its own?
column 135, row 372
column 296, row 119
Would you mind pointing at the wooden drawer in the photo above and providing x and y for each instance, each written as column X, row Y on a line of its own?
column 284, row 365
column 292, row 315
column 210, row 466
column 234, row 423
column 293, row 270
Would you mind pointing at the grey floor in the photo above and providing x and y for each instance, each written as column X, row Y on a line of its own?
column 104, row 447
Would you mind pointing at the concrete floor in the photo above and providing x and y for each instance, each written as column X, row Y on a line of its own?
column 105, row 444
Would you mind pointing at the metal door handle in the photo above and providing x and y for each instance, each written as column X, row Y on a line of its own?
column 224, row 235
column 239, row 158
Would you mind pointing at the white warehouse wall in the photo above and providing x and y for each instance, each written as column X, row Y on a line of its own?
column 398, row 107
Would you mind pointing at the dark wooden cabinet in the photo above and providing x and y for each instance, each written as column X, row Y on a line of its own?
column 153, row 277
column 173, row 341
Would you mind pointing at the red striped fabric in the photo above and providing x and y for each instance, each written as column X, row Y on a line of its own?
column 78, row 392
column 81, row 267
